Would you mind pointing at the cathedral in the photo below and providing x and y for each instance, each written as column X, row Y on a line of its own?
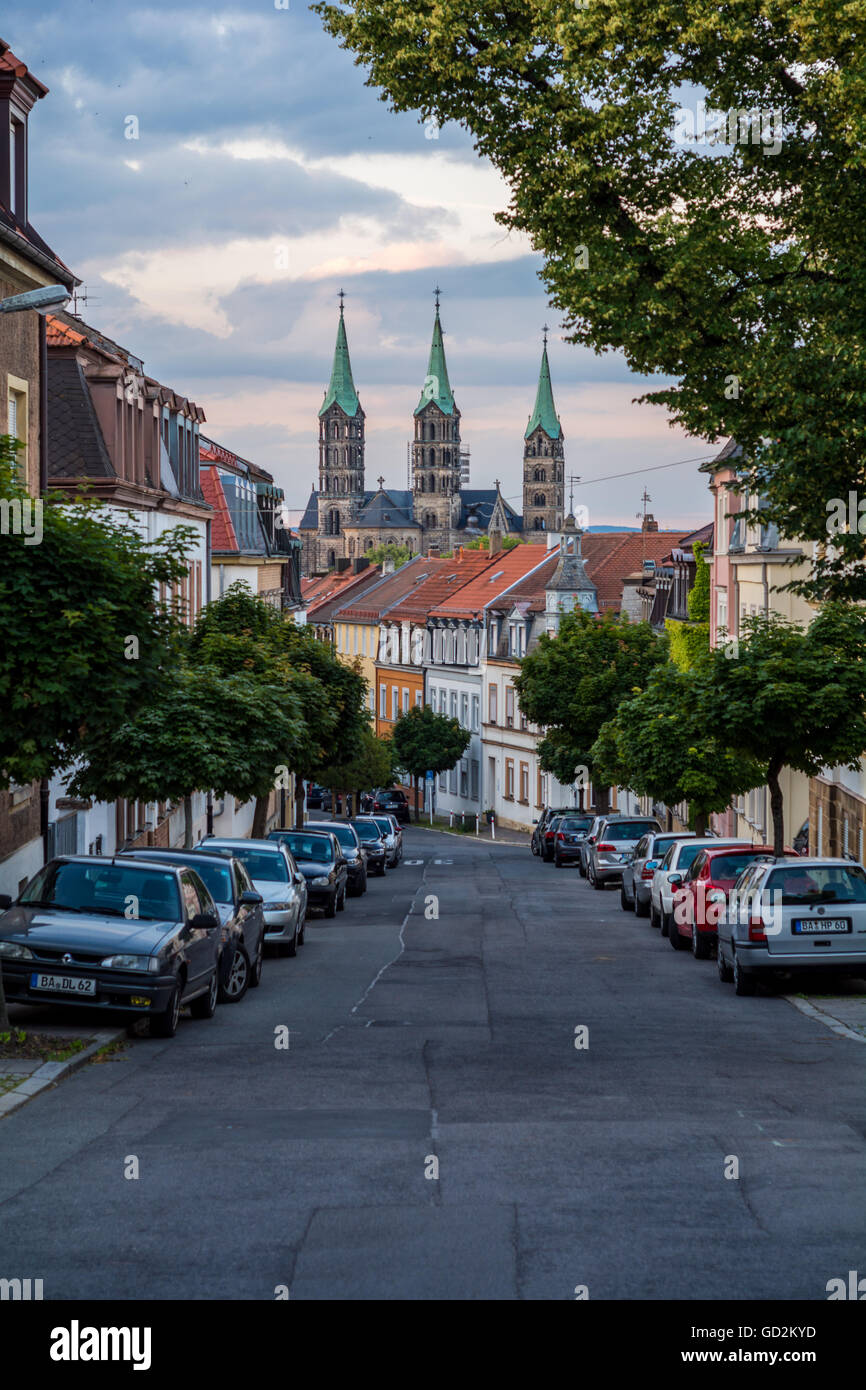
column 438, row 511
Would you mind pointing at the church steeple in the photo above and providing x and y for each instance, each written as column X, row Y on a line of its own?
column 436, row 448
column 437, row 387
column 341, row 447
column 341, row 389
column 543, row 459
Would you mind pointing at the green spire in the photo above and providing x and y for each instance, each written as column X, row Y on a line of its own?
column 341, row 388
column 437, row 387
column 544, row 413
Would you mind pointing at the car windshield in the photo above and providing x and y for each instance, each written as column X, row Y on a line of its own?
column 575, row 823
column 829, row 883
column 627, row 829
column 217, row 879
column 310, row 847
column 384, row 825
column 106, row 890
column 344, row 834
column 259, row 864
column 661, row 845
column 687, row 854
column 367, row 830
column 729, row 865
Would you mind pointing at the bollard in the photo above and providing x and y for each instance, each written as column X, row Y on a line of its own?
column 493, row 827
column 450, row 820
column 476, row 823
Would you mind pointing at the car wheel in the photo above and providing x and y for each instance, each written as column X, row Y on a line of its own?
column 624, row 901
column 597, row 884
column 341, row 901
column 383, row 871
column 303, row 929
column 258, row 965
column 206, row 1004
column 331, row 909
column 743, row 984
column 641, row 909
column 673, row 933
column 581, row 869
column 662, row 922
column 164, row 1025
column 238, row 981
column 292, row 946
column 726, row 974
column 700, row 944
column 557, row 861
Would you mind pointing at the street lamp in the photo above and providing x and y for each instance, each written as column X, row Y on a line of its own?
column 43, row 300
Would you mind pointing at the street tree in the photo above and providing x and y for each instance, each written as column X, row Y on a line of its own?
column 793, row 697
column 83, row 637
column 574, row 682
column 427, row 742
column 659, row 748
column 371, row 766
column 695, row 185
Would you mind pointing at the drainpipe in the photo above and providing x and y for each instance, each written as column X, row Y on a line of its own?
column 766, row 590
column 43, row 406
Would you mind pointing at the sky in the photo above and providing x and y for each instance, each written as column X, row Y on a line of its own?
column 216, row 175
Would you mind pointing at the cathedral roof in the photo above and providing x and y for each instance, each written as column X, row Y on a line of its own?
column 310, row 520
column 341, row 389
column 544, row 413
column 383, row 512
column 480, row 502
column 437, row 387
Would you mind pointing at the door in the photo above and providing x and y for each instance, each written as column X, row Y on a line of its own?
column 200, row 943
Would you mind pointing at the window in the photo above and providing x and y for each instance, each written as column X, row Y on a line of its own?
column 452, row 781
column 383, row 701
column 405, row 700
column 453, row 704
column 509, row 779
column 491, row 709
column 464, row 711
column 509, row 706
column 17, row 419
column 722, row 608
column 476, row 712
column 419, row 699
column 433, row 697
column 473, row 779
column 524, row 783
column 443, row 781
column 372, row 700
column 395, row 703
column 516, row 638
column 464, row 778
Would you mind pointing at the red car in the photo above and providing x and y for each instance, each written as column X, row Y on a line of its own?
column 702, row 894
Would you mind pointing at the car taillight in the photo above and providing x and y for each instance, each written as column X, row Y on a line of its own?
column 646, row 873
column 757, row 931
column 559, row 835
column 606, row 846
column 548, row 834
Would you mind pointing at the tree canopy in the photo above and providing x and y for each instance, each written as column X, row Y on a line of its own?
column 694, row 178
column 427, row 742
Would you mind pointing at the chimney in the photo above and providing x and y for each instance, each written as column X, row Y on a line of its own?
column 495, row 541
column 649, row 523
column 433, row 551
column 343, row 564
column 388, row 566
column 360, row 564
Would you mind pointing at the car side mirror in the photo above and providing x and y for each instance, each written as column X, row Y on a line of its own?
column 651, row 864
column 675, row 880
column 299, row 879
column 5, row 901
column 205, row 921
column 250, row 899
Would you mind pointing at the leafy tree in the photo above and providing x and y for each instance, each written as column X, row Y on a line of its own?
column 203, row 730
column 371, row 766
column 399, row 554
column 690, row 640
column 573, row 683
column 658, row 747
column 83, row 638
column 427, row 742
column 736, row 269
column 792, row 697
column 483, row 543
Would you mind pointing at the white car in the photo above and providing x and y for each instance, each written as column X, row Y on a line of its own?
column 678, row 858
column 793, row 914
column 276, row 877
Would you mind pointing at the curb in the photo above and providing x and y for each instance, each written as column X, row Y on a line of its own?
column 471, row 839
column 51, row 1072
column 819, row 1015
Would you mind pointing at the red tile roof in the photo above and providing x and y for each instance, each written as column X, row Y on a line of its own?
column 442, row 585
column 610, row 556
column 391, row 590
column 9, row 63
column 530, row 589
column 328, row 591
column 498, row 573
column 223, row 538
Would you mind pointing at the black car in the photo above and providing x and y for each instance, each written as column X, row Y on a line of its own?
column 314, row 797
column 538, row 844
column 570, row 830
column 240, row 909
column 117, row 935
column 356, row 855
column 373, row 840
column 391, row 799
column 319, row 857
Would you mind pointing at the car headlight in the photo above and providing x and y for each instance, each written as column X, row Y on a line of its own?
column 321, row 882
column 13, row 951
column 132, row 963
column 278, row 907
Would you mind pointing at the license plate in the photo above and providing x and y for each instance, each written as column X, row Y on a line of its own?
column 63, row 984
column 815, row 926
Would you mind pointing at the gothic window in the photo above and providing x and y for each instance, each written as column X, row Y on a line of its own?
column 351, row 547
column 431, row 457
column 539, row 500
column 334, row 428
column 430, row 520
column 538, row 524
column 540, row 475
column 332, row 559
column 432, row 487
column 421, row 480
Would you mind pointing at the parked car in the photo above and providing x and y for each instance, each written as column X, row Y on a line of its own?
column 239, row 906
column 793, row 915
column 537, row 842
column 114, row 935
column 801, row 839
column 315, row 797
column 391, row 799
column 613, row 846
column 373, row 840
column 319, row 858
column 549, row 838
column 637, row 875
column 589, row 840
column 704, row 894
column 275, row 875
column 353, row 852
column 678, row 858
column 570, row 830
column 393, row 836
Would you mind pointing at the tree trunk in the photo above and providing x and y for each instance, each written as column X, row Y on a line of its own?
column 602, row 800
column 701, row 819
column 187, row 822
column 776, row 806
column 260, row 817
column 415, row 780
column 299, row 801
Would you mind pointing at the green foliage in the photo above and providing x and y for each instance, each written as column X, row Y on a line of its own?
column 698, row 601
column 427, row 742
column 573, row 683
column 371, row 766
column 690, row 641
column 737, row 271
column 483, row 543
column 83, row 639
column 390, row 551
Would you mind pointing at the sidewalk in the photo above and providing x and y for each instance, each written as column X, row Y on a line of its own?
column 501, row 837
column 844, row 1013
column 22, row 1078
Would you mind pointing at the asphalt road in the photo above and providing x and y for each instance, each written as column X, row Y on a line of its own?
column 416, row 1038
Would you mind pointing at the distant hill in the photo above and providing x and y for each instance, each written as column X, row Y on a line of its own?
column 587, row 529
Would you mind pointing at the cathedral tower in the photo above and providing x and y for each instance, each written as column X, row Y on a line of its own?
column 341, row 451
column 436, row 450
column 543, row 461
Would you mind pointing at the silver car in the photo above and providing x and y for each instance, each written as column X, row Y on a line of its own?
column 276, row 876
column 793, row 914
column 635, row 892
column 670, row 873
column 614, row 845
column 589, row 840
column 391, row 833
